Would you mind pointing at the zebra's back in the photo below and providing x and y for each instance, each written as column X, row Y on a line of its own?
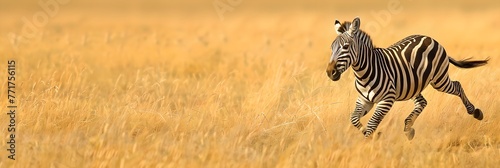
column 415, row 62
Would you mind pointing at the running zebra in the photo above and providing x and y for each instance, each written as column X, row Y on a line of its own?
column 397, row 73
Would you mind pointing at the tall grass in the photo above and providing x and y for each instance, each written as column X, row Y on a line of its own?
column 248, row 92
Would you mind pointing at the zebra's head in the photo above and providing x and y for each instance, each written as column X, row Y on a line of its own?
column 342, row 48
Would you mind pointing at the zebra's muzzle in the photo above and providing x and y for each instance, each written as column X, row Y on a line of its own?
column 335, row 75
column 332, row 72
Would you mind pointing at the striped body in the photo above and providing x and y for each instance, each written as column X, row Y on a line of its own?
column 397, row 73
column 407, row 67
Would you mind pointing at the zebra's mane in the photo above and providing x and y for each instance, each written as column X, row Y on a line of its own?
column 363, row 36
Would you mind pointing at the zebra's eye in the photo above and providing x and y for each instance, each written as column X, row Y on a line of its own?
column 345, row 47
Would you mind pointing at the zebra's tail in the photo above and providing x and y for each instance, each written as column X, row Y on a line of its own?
column 465, row 63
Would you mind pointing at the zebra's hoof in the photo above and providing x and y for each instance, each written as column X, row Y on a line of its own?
column 478, row 114
column 373, row 136
column 410, row 134
column 363, row 130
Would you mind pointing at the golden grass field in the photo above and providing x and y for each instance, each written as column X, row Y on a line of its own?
column 153, row 84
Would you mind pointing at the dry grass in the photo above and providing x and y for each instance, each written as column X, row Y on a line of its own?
column 157, row 90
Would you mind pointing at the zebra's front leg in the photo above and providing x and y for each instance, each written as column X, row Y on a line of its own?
column 420, row 104
column 362, row 108
column 382, row 108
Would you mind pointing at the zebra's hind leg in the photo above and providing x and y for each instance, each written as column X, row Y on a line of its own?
column 454, row 87
column 420, row 104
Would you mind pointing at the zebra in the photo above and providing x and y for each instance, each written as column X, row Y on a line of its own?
column 397, row 73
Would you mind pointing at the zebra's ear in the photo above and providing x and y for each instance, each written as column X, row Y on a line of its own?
column 354, row 28
column 337, row 27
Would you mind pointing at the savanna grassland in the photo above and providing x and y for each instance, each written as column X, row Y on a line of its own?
column 171, row 84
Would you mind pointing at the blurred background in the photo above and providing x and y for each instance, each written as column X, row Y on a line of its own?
column 229, row 83
column 381, row 19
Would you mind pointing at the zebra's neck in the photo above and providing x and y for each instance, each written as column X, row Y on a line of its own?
column 364, row 38
column 367, row 59
column 365, row 51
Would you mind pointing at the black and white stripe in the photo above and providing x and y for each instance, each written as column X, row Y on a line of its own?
column 399, row 72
